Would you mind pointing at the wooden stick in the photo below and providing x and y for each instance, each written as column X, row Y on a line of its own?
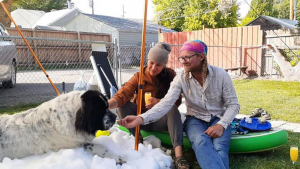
column 140, row 86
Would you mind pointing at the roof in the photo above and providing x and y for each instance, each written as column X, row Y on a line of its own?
column 284, row 23
column 131, row 25
column 56, row 28
column 57, row 18
column 26, row 18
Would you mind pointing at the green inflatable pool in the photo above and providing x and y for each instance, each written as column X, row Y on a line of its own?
column 249, row 143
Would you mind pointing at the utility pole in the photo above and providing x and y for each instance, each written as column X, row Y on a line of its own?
column 291, row 10
column 295, row 9
column 123, row 11
column 93, row 7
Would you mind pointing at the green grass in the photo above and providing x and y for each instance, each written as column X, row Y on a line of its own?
column 280, row 99
column 17, row 109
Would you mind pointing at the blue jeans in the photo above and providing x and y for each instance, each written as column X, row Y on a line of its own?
column 210, row 153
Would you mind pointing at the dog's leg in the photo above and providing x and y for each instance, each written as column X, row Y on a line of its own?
column 103, row 152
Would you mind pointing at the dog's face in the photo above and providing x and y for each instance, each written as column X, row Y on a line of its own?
column 94, row 114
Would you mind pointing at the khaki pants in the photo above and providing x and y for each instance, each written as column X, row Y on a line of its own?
column 170, row 122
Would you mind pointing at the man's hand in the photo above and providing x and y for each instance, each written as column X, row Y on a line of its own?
column 153, row 101
column 131, row 121
column 215, row 131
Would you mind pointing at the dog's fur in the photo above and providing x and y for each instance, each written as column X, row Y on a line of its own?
column 68, row 121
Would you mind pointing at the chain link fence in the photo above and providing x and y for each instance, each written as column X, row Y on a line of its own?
column 66, row 61
column 129, row 61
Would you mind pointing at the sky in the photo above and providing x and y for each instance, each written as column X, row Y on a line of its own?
column 132, row 8
column 119, row 142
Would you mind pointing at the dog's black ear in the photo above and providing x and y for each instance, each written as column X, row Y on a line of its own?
column 89, row 118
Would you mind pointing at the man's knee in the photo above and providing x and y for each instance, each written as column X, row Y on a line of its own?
column 199, row 141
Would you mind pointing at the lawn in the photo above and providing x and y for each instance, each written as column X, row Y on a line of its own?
column 280, row 99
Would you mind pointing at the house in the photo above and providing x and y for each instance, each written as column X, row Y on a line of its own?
column 271, row 23
column 57, row 18
column 26, row 18
column 126, row 31
column 35, row 19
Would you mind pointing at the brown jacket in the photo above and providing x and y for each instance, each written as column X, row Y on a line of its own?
column 130, row 90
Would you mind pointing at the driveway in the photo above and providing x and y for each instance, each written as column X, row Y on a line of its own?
column 33, row 86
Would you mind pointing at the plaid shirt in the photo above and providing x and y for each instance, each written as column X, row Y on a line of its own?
column 217, row 98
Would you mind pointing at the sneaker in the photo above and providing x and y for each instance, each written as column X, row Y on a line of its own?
column 267, row 116
column 256, row 112
column 181, row 163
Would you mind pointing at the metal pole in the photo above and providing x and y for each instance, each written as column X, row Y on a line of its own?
column 115, row 60
column 240, row 58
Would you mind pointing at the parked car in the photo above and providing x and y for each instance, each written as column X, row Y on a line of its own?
column 8, row 60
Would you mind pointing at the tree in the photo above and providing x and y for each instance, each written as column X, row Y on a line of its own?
column 43, row 5
column 4, row 19
column 169, row 13
column 210, row 14
column 193, row 14
column 283, row 9
column 260, row 7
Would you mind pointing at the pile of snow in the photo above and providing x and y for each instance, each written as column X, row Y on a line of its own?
column 118, row 142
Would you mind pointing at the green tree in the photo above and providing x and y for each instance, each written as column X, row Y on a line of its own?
column 212, row 14
column 190, row 15
column 43, row 5
column 260, row 7
column 169, row 13
column 283, row 9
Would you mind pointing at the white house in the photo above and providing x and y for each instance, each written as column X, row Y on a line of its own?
column 126, row 31
column 34, row 19
column 26, row 18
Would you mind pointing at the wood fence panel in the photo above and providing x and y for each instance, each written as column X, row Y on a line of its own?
column 216, row 48
column 234, row 44
column 211, row 52
column 225, row 49
column 49, row 51
column 224, row 46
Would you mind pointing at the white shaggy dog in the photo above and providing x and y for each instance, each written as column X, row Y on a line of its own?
column 68, row 121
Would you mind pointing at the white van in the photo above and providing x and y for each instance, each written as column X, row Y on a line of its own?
column 8, row 60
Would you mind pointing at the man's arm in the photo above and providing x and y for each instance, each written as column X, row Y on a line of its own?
column 230, row 101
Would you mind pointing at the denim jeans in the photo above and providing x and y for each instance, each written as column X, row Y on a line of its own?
column 210, row 153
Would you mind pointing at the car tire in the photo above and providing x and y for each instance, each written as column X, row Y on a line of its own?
column 13, row 80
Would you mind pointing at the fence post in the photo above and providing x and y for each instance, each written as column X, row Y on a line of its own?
column 34, row 49
column 115, row 65
column 120, row 64
column 79, row 48
column 240, row 59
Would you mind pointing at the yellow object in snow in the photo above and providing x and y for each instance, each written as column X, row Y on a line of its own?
column 101, row 133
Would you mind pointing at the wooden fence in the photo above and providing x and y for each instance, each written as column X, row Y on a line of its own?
column 227, row 47
column 283, row 38
column 50, row 50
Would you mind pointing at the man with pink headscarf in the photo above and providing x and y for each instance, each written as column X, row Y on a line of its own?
column 211, row 103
